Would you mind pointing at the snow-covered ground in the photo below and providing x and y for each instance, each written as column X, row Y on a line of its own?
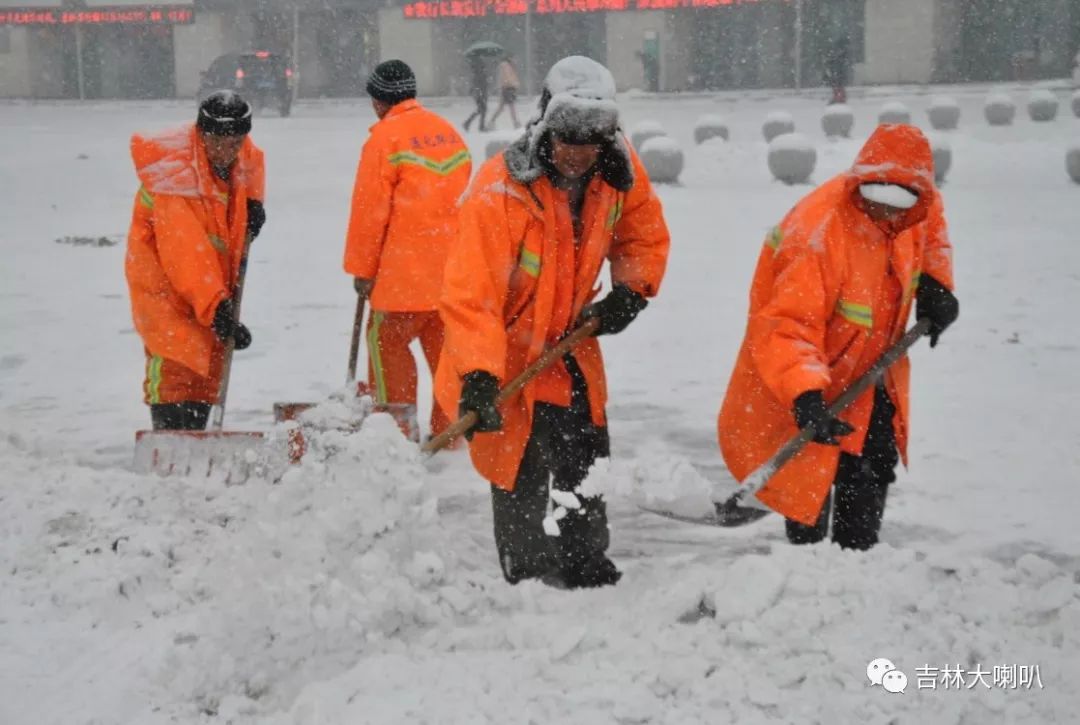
column 363, row 588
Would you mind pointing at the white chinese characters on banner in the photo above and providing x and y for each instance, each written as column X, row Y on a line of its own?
column 955, row 677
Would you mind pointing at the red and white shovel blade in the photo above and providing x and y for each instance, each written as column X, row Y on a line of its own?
column 188, row 452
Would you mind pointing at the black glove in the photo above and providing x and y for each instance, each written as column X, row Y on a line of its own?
column 224, row 324
column 241, row 337
column 478, row 396
column 936, row 303
column 363, row 286
column 256, row 217
column 617, row 310
column 810, row 410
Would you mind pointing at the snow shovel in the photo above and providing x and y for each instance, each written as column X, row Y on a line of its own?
column 434, row 445
column 730, row 513
column 186, row 452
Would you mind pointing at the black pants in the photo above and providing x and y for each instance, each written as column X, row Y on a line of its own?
column 860, row 487
column 562, row 447
column 481, row 99
column 190, row 415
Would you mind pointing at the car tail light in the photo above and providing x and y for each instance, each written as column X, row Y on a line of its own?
column 239, row 74
column 288, row 72
column 262, row 54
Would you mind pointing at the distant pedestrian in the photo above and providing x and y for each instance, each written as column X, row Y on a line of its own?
column 837, row 66
column 509, row 84
column 478, row 89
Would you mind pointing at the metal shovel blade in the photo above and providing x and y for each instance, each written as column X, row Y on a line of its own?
column 197, row 453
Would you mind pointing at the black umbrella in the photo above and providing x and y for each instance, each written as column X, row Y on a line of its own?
column 485, row 48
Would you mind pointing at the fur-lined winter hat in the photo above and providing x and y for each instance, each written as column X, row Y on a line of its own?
column 577, row 105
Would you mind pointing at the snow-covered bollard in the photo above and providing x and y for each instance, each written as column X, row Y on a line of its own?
column 498, row 141
column 663, row 159
column 792, row 158
column 777, row 123
column 645, row 130
column 999, row 109
column 1072, row 163
column 837, row 121
column 1042, row 105
column 894, row 112
column 709, row 127
column 942, row 159
column 944, row 113
column 1076, row 103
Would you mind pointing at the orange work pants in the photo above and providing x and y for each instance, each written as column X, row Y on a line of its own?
column 167, row 381
column 391, row 367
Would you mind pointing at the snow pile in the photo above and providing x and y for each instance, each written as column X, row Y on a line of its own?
column 778, row 634
column 777, row 123
column 1076, row 103
column 1072, row 163
column 645, row 130
column 894, row 112
column 221, row 594
column 710, row 126
column 499, row 140
column 944, row 113
column 999, row 109
column 792, row 158
column 838, row 120
column 663, row 159
column 942, row 152
column 1042, row 105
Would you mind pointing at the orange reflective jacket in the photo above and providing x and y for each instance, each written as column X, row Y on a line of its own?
column 413, row 170
column 185, row 242
column 501, row 297
column 832, row 291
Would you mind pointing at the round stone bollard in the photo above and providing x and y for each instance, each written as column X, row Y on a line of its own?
column 943, row 113
column 942, row 159
column 837, row 121
column 709, row 127
column 792, row 158
column 645, row 130
column 663, row 159
column 498, row 141
column 1042, row 105
column 999, row 109
column 1076, row 103
column 894, row 112
column 1072, row 163
column 777, row 123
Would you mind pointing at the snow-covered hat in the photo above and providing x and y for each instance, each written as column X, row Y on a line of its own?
column 224, row 113
column 578, row 101
column 892, row 195
column 577, row 105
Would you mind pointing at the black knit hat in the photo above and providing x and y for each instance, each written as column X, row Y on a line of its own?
column 392, row 81
column 224, row 113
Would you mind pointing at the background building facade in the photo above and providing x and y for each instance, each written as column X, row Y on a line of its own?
column 131, row 49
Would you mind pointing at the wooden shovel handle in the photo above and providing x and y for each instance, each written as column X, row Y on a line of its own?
column 354, row 346
column 550, row 356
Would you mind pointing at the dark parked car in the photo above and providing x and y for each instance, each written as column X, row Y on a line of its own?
column 264, row 79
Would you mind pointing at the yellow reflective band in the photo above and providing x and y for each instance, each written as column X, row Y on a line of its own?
column 776, row 235
column 146, row 198
column 530, row 262
column 616, row 212
column 855, row 313
column 913, row 285
column 375, row 353
column 218, row 243
column 442, row 168
column 153, row 379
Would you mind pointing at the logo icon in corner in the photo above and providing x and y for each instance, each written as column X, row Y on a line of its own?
column 883, row 672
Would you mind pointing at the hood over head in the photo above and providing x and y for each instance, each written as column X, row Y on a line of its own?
column 896, row 154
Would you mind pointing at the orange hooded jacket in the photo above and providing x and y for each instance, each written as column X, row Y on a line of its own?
column 184, row 245
column 500, row 303
column 412, row 172
column 832, row 291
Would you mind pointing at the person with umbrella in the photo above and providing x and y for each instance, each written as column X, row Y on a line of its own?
column 478, row 55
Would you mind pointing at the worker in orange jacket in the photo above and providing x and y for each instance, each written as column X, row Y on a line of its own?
column 537, row 225
column 201, row 196
column 833, row 290
column 413, row 169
